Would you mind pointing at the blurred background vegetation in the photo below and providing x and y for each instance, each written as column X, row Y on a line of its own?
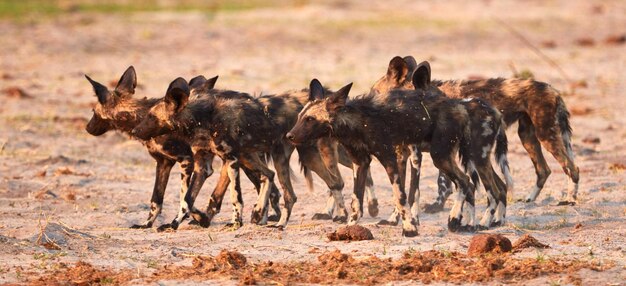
column 18, row 9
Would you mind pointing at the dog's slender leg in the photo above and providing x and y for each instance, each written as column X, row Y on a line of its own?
column 372, row 201
column 414, row 190
column 361, row 163
column 281, row 163
column 163, row 168
column 254, row 163
column 526, row 132
column 318, row 162
column 444, row 190
column 236, row 199
column 198, row 177
column 392, row 167
column 565, row 159
column 215, row 201
column 274, row 199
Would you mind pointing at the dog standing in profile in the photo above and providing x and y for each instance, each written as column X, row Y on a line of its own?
column 537, row 107
column 487, row 131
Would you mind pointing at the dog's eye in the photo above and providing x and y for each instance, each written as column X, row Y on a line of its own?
column 309, row 118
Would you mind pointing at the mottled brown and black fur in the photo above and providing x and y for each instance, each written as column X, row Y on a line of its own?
column 216, row 125
column 237, row 131
column 376, row 126
column 487, row 130
column 118, row 110
column 319, row 157
column 537, row 107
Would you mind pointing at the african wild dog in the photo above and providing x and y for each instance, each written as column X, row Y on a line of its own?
column 487, row 131
column 237, row 131
column 319, row 157
column 537, row 107
column 375, row 126
column 118, row 110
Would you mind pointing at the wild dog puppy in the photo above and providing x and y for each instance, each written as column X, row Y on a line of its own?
column 537, row 107
column 487, row 130
column 118, row 110
column 374, row 126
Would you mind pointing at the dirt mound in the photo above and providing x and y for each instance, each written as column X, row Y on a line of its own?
column 489, row 243
column 83, row 273
column 334, row 258
column 351, row 233
column 206, row 267
column 527, row 241
column 232, row 259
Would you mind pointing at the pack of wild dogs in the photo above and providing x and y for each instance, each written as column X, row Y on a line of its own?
column 459, row 122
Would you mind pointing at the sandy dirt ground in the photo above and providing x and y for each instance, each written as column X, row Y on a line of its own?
column 85, row 192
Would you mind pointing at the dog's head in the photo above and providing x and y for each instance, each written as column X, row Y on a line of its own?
column 107, row 113
column 161, row 118
column 315, row 119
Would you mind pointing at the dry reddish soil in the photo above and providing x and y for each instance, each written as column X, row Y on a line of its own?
column 67, row 199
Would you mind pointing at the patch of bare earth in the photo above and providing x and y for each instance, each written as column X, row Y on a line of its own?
column 336, row 267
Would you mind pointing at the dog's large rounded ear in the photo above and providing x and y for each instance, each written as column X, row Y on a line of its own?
column 177, row 94
column 102, row 92
column 338, row 99
column 127, row 83
column 421, row 76
column 210, row 83
column 316, row 90
column 411, row 64
column 197, row 83
column 397, row 70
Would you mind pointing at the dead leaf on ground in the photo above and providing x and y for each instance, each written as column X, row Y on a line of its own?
column 591, row 140
column 615, row 39
column 580, row 110
column 68, row 171
column 69, row 195
column 617, row 167
column 45, row 194
column 585, row 42
column 16, row 92
column 548, row 44
column 579, row 84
